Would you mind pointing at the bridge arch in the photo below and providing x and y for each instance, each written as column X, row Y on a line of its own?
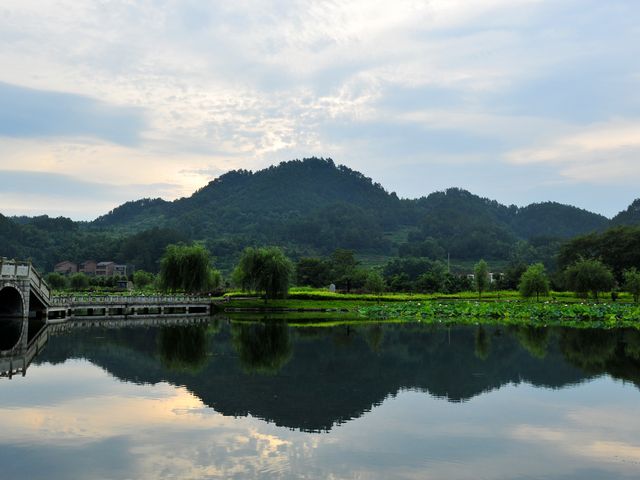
column 12, row 315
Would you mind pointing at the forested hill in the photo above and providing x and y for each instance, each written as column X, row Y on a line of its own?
column 313, row 205
column 309, row 207
column 630, row 216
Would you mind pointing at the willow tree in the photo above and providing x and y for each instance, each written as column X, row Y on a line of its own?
column 534, row 281
column 264, row 270
column 186, row 268
column 481, row 277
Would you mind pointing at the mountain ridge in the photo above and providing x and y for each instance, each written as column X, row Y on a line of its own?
column 309, row 207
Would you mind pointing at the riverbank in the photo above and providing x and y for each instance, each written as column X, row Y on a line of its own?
column 504, row 308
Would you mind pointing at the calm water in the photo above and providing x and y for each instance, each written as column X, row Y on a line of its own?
column 229, row 400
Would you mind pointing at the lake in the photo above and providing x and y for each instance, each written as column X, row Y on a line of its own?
column 237, row 399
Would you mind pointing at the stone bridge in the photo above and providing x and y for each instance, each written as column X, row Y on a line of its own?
column 26, row 305
column 24, row 300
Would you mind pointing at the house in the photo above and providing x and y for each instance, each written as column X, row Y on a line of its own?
column 120, row 270
column 89, row 267
column 105, row 269
column 65, row 268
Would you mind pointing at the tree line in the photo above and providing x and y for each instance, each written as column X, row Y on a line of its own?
column 267, row 271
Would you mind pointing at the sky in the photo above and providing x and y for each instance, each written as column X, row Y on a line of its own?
column 517, row 100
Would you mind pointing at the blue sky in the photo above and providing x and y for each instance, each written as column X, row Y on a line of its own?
column 516, row 100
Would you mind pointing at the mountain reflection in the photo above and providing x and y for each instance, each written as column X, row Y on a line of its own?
column 315, row 378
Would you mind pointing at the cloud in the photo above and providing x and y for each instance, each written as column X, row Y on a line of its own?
column 28, row 112
column 37, row 193
column 602, row 154
column 164, row 92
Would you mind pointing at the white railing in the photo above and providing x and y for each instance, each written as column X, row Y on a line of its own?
column 129, row 300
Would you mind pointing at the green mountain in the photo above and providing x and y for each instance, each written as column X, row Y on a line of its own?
column 630, row 216
column 309, row 207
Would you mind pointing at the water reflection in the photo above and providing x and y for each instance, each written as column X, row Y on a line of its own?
column 183, row 348
column 370, row 401
column 262, row 347
column 240, row 368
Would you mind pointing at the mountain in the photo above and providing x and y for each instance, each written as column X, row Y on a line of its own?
column 314, row 205
column 630, row 216
column 309, row 207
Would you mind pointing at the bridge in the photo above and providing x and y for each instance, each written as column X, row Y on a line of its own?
column 19, row 359
column 24, row 299
column 26, row 305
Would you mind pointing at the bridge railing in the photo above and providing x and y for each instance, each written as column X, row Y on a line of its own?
column 129, row 300
column 23, row 270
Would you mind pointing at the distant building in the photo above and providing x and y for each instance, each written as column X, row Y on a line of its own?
column 110, row 269
column 65, row 268
column 120, row 270
column 88, row 267
column 105, row 269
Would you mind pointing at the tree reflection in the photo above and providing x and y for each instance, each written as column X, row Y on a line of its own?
column 534, row 340
column 262, row 347
column 183, row 348
column 588, row 349
column 375, row 337
column 483, row 343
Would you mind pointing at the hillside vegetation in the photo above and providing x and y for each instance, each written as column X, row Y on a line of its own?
column 309, row 207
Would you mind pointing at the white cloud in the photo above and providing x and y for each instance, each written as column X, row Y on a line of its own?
column 247, row 83
column 604, row 153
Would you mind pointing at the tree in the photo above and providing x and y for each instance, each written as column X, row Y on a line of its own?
column 589, row 276
column 185, row 267
column 56, row 281
column 632, row 283
column 141, row 278
column 266, row 270
column 374, row 283
column 534, row 281
column 344, row 267
column 312, row 272
column 481, row 276
column 79, row 281
column 432, row 281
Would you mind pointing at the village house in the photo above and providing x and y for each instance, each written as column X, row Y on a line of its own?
column 88, row 267
column 65, row 268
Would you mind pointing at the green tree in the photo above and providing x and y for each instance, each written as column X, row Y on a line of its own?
column 534, row 281
column 589, row 276
column 313, row 272
column 265, row 270
column 344, row 268
column 374, row 283
column 185, row 267
column 141, row 278
column 481, row 276
column 432, row 281
column 79, row 281
column 57, row 281
column 632, row 283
